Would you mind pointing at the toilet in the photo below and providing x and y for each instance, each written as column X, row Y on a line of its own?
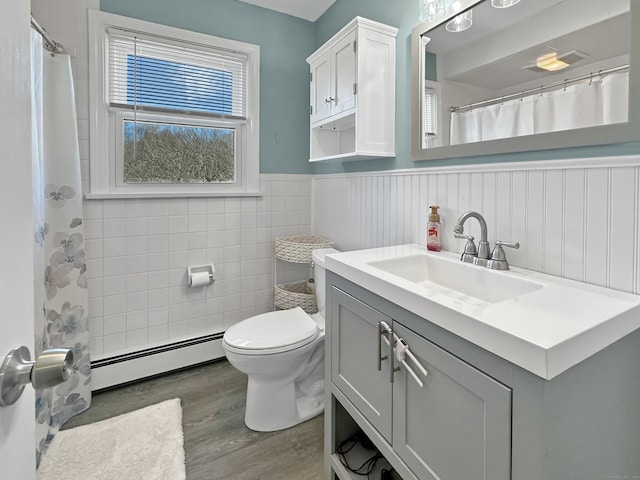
column 282, row 353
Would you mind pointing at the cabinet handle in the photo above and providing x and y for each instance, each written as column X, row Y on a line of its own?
column 329, row 100
column 392, row 345
column 382, row 327
column 398, row 351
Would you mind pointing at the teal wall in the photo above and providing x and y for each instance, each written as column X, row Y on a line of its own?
column 285, row 43
column 404, row 15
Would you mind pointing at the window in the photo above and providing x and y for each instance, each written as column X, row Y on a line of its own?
column 173, row 112
column 431, row 115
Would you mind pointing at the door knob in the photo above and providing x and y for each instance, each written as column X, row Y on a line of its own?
column 51, row 368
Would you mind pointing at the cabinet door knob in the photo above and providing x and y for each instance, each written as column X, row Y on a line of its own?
column 329, row 100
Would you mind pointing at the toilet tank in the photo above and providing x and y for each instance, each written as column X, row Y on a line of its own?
column 319, row 275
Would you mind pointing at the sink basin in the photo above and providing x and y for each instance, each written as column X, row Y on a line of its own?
column 438, row 273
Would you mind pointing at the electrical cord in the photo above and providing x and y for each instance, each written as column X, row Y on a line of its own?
column 347, row 445
column 386, row 474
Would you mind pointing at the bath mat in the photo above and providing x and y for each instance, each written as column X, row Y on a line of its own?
column 143, row 444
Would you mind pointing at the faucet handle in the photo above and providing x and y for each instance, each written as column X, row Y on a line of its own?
column 467, row 237
column 500, row 243
column 470, row 250
column 498, row 259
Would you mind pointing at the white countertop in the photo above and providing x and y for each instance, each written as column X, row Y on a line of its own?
column 545, row 331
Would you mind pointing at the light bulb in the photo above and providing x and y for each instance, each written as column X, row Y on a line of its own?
column 504, row 3
column 460, row 23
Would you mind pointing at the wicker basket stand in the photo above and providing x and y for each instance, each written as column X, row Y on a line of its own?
column 296, row 249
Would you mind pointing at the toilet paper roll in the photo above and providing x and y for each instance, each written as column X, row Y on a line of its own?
column 198, row 279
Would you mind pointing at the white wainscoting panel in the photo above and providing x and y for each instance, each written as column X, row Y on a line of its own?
column 577, row 219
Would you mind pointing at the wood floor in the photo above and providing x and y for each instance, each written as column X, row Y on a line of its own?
column 217, row 443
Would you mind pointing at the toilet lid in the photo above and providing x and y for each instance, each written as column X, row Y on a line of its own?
column 273, row 330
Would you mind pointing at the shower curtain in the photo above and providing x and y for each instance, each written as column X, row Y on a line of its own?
column 61, row 300
column 580, row 105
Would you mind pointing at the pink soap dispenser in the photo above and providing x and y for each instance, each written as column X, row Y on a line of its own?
column 433, row 229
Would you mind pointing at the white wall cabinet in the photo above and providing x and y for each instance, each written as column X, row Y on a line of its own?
column 352, row 93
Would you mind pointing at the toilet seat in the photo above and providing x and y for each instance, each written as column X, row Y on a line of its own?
column 272, row 332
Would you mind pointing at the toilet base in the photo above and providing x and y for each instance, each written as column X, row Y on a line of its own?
column 273, row 406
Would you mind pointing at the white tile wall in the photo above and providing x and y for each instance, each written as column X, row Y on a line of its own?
column 138, row 250
column 579, row 219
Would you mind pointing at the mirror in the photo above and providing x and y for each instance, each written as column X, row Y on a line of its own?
column 539, row 74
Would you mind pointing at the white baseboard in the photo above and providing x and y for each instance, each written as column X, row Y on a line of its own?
column 110, row 372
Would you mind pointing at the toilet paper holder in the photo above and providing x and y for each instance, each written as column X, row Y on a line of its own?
column 201, row 275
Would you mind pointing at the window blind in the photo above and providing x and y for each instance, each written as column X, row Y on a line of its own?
column 430, row 117
column 430, row 112
column 159, row 74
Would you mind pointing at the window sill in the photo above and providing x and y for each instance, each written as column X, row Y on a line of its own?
column 125, row 195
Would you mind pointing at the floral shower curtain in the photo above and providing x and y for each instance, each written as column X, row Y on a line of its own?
column 61, row 300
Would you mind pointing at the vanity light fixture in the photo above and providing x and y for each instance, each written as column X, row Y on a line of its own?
column 460, row 23
column 503, row 3
column 432, row 10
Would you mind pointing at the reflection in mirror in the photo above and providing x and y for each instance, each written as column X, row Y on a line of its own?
column 536, row 67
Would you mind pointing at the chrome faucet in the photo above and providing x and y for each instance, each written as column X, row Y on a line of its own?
column 497, row 260
column 479, row 256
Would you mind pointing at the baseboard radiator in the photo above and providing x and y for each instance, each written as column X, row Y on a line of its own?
column 130, row 367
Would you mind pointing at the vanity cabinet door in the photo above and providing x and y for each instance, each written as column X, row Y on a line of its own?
column 458, row 425
column 354, row 362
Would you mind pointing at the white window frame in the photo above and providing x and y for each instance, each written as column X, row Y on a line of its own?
column 106, row 170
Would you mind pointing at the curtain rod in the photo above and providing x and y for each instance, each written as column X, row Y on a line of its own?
column 49, row 43
column 539, row 89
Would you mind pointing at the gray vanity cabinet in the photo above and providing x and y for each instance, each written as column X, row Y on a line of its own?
column 354, row 367
column 456, row 426
column 477, row 417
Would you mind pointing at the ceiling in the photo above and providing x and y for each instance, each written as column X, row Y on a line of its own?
column 488, row 57
column 306, row 9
